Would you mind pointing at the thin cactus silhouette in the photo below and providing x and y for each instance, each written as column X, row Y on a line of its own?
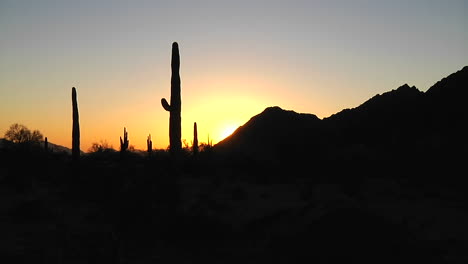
column 195, row 139
column 174, row 108
column 124, row 142
column 210, row 142
column 149, row 144
column 46, row 144
column 76, row 128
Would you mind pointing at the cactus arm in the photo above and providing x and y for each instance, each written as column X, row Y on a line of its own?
column 165, row 105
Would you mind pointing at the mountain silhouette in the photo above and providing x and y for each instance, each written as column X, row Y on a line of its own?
column 59, row 148
column 402, row 123
column 446, row 103
column 270, row 133
column 7, row 144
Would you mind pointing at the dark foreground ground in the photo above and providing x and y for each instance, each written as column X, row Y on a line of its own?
column 137, row 209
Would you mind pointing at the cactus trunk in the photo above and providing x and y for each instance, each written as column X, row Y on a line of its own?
column 195, row 139
column 76, row 128
column 46, row 144
column 175, row 105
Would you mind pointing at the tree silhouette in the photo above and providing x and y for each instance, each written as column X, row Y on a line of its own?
column 18, row 133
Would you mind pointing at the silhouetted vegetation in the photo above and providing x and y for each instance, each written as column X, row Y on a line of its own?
column 174, row 107
column 149, row 145
column 379, row 183
column 18, row 133
column 102, row 146
column 195, row 139
column 76, row 128
column 124, row 142
column 46, row 144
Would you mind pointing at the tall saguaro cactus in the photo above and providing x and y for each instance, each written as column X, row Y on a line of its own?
column 174, row 107
column 195, row 139
column 76, row 128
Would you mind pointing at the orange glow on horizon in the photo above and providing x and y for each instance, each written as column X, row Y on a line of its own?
column 218, row 100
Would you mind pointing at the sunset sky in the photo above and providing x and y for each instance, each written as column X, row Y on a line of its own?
column 237, row 58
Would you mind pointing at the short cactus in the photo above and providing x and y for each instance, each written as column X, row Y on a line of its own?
column 124, row 142
column 149, row 144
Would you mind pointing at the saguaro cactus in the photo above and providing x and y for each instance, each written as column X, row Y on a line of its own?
column 149, row 144
column 175, row 106
column 46, row 144
column 76, row 128
column 195, row 139
column 124, row 142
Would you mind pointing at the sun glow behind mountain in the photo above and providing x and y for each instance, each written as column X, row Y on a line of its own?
column 218, row 115
column 227, row 131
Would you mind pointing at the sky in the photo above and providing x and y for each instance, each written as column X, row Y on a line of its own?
column 237, row 58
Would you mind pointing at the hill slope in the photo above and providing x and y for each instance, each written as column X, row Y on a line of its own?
column 272, row 133
column 404, row 122
column 6, row 144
